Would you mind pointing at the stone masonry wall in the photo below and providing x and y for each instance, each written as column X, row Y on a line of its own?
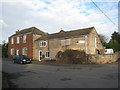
column 106, row 58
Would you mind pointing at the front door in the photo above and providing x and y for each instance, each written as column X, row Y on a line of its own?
column 40, row 55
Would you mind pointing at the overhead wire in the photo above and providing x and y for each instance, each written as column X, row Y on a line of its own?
column 103, row 13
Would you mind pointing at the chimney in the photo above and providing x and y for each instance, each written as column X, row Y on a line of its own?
column 61, row 31
column 17, row 31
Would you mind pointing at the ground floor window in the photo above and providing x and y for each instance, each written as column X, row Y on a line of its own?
column 17, row 52
column 47, row 54
column 24, row 51
column 12, row 51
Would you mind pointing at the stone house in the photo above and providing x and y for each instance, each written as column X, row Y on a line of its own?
column 85, row 39
column 43, row 46
column 22, row 42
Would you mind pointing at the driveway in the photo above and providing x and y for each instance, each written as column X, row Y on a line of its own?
column 62, row 76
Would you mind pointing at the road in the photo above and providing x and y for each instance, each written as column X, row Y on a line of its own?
column 69, row 76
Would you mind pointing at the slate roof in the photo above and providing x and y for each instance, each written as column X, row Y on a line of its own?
column 67, row 34
column 32, row 30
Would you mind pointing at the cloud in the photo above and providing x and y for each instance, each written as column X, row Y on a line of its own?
column 36, row 4
column 3, row 24
column 51, row 15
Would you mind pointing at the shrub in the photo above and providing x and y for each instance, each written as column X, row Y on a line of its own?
column 71, row 56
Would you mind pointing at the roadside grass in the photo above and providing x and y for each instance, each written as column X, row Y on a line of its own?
column 4, row 81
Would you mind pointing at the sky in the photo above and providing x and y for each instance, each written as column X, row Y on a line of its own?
column 52, row 15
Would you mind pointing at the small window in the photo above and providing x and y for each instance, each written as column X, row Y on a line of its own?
column 47, row 54
column 12, row 40
column 24, row 38
column 12, row 51
column 81, row 41
column 18, row 40
column 24, row 51
column 43, row 43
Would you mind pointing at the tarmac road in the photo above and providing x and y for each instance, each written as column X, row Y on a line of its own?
column 70, row 76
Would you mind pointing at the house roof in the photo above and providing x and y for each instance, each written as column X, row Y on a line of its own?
column 32, row 30
column 67, row 34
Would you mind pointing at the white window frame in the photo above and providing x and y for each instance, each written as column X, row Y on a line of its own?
column 47, row 55
column 24, row 38
column 80, row 41
column 23, row 51
column 12, row 51
column 41, row 43
column 40, row 56
column 95, row 42
column 12, row 40
column 17, row 52
column 18, row 40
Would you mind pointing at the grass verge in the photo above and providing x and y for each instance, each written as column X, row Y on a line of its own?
column 4, row 81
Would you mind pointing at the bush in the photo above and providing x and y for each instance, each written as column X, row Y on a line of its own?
column 71, row 56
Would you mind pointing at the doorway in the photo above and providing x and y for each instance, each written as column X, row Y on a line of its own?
column 40, row 55
column 98, row 51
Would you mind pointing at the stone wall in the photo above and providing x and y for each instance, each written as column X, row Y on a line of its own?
column 36, row 47
column 94, row 44
column 106, row 58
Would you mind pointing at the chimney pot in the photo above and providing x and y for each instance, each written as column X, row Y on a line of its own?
column 17, row 31
column 62, row 31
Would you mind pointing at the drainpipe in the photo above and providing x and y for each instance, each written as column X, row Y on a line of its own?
column 48, row 45
column 86, row 46
column 86, row 43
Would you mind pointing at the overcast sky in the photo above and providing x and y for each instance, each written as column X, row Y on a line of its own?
column 52, row 15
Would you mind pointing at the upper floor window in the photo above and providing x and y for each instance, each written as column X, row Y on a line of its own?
column 12, row 40
column 24, row 38
column 24, row 51
column 43, row 44
column 12, row 51
column 95, row 42
column 18, row 39
column 81, row 41
column 47, row 54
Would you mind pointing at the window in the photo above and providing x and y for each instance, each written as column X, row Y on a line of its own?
column 12, row 40
column 47, row 54
column 43, row 43
column 81, row 41
column 17, row 52
column 12, row 51
column 24, row 38
column 24, row 51
column 18, row 39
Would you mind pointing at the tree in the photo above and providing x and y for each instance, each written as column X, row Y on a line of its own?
column 116, row 36
column 103, row 38
column 4, row 49
column 114, row 43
